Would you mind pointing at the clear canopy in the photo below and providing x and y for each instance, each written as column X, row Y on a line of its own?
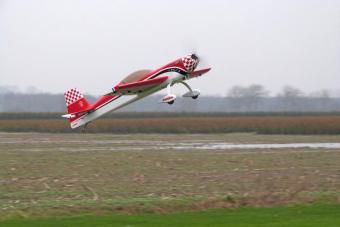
column 136, row 76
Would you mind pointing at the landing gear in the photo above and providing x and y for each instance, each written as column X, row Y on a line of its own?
column 169, row 98
column 191, row 93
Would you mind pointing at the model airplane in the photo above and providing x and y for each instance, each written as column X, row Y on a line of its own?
column 134, row 87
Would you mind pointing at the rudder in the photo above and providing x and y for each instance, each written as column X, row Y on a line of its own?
column 75, row 101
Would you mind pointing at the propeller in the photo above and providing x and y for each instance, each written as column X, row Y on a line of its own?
column 203, row 62
column 192, row 48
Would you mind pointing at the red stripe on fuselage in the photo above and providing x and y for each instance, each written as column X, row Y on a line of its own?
column 96, row 105
column 103, row 100
column 178, row 63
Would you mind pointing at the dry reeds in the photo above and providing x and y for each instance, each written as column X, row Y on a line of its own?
column 327, row 124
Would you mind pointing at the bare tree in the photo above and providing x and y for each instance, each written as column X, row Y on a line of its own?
column 247, row 98
column 320, row 94
column 291, row 98
column 321, row 100
column 8, row 89
column 291, row 92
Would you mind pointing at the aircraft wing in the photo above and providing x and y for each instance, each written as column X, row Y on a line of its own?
column 137, row 87
column 198, row 73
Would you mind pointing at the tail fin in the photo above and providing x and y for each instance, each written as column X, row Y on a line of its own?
column 76, row 103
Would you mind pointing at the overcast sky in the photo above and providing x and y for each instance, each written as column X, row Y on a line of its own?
column 56, row 45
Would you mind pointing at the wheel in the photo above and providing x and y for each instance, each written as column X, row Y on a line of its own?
column 194, row 97
column 171, row 102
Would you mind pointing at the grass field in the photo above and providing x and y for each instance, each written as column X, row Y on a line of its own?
column 180, row 123
column 55, row 175
column 325, row 215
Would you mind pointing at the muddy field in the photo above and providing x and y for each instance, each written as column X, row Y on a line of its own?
column 70, row 173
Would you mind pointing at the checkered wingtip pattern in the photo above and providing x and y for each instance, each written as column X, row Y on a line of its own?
column 72, row 96
column 189, row 63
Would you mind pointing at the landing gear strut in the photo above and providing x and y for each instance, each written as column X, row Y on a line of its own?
column 191, row 93
column 169, row 98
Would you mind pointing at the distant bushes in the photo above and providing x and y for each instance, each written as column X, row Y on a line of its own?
column 137, row 115
column 263, row 124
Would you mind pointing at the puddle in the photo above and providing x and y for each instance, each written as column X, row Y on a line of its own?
column 229, row 146
column 186, row 146
column 129, row 143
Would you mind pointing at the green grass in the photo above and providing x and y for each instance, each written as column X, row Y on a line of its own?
column 44, row 175
column 50, row 179
column 318, row 215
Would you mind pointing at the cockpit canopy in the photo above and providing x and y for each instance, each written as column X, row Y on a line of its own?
column 135, row 76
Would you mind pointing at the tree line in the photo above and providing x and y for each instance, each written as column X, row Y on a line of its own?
column 253, row 98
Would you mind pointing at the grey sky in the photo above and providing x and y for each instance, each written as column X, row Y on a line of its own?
column 56, row 45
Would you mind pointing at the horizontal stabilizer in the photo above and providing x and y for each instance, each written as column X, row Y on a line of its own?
column 68, row 116
column 76, row 114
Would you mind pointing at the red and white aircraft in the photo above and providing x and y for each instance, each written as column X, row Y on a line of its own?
column 134, row 87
